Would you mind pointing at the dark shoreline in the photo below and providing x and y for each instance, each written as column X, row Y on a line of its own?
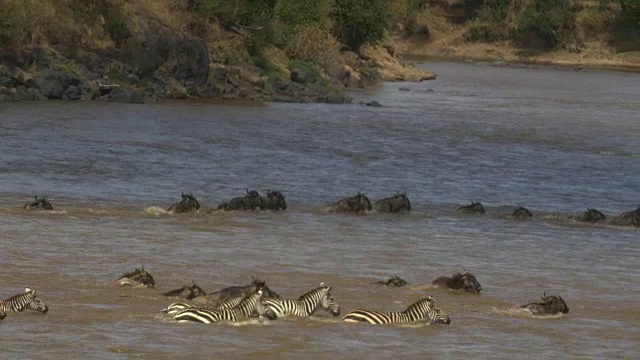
column 519, row 63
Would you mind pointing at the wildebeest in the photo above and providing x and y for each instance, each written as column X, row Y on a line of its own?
column 591, row 215
column 521, row 213
column 215, row 298
column 550, row 305
column 274, row 201
column 474, row 208
column 137, row 278
column 42, row 203
column 2, row 314
column 395, row 204
column 465, row 281
column 187, row 204
column 394, row 281
column 188, row 292
column 629, row 218
column 357, row 204
column 250, row 201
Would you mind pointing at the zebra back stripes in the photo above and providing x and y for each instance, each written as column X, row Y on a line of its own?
column 305, row 305
column 225, row 304
column 249, row 306
column 424, row 309
column 26, row 300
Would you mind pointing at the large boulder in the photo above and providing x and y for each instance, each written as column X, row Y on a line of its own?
column 54, row 84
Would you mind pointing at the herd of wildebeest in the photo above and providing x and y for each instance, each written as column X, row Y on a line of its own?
column 360, row 203
column 240, row 303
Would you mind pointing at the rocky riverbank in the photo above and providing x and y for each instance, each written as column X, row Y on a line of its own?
column 155, row 56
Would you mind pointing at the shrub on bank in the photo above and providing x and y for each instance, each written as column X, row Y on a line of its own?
column 543, row 24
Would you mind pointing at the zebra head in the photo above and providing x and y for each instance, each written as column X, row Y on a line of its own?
column 437, row 316
column 34, row 302
column 327, row 301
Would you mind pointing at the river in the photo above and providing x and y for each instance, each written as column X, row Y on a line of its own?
column 556, row 141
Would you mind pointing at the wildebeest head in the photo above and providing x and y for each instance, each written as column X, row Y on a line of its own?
column 2, row 314
column 187, row 204
column 42, row 203
column 550, row 304
column 521, row 213
column 188, row 292
column 356, row 204
column 592, row 216
column 250, row 201
column 474, row 208
column 268, row 293
column 395, row 204
column 460, row 281
column 631, row 218
column 394, row 281
column 274, row 201
column 138, row 278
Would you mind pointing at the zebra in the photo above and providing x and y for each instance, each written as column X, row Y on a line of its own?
column 26, row 300
column 304, row 306
column 424, row 309
column 250, row 305
column 225, row 304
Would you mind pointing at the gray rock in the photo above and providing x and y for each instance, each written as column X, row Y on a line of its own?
column 129, row 96
column 72, row 93
column 303, row 76
column 52, row 84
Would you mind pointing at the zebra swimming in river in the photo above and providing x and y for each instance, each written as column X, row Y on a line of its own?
column 250, row 306
column 305, row 305
column 424, row 309
column 26, row 300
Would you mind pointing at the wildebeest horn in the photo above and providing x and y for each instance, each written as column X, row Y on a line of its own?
column 182, row 193
column 36, row 197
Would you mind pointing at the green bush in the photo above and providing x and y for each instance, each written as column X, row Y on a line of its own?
column 543, row 24
column 359, row 22
column 490, row 23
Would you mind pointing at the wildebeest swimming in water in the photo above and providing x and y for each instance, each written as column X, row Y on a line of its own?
column 465, row 281
column 274, row 201
column 187, row 204
column 550, row 305
column 41, row 203
column 215, row 298
column 137, row 278
column 474, row 208
column 250, row 201
column 396, row 281
column 356, row 204
column 521, row 213
column 629, row 218
column 188, row 292
column 395, row 204
column 591, row 216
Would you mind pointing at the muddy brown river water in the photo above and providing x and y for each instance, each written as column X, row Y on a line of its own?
column 554, row 140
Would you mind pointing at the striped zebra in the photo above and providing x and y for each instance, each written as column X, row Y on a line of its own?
column 26, row 300
column 225, row 304
column 306, row 304
column 249, row 306
column 424, row 309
